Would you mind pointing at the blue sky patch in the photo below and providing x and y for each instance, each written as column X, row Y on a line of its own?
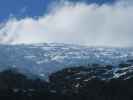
column 33, row 8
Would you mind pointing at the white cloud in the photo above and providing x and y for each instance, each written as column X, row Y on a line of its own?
column 93, row 25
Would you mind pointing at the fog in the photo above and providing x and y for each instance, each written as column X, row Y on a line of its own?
column 75, row 23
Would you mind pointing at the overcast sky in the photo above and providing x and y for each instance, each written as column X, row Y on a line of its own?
column 84, row 22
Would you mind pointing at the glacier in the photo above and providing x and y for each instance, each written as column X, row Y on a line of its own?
column 44, row 58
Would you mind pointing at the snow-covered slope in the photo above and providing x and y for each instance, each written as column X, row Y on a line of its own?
column 43, row 59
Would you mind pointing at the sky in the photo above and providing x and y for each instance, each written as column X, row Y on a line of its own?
column 84, row 22
column 33, row 8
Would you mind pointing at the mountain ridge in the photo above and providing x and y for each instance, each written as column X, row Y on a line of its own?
column 42, row 59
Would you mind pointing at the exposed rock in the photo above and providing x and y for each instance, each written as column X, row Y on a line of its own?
column 99, row 82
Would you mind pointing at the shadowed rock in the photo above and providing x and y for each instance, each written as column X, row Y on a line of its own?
column 92, row 82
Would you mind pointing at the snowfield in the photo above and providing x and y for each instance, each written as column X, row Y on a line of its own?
column 43, row 59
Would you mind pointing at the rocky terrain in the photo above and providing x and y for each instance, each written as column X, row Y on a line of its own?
column 92, row 82
column 43, row 59
column 65, row 72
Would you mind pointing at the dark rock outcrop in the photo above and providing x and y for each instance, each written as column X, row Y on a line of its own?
column 92, row 82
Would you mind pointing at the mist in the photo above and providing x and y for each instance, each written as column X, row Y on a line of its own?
column 75, row 23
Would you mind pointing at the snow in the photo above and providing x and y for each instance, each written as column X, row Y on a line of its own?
column 77, row 85
column 117, row 75
column 50, row 57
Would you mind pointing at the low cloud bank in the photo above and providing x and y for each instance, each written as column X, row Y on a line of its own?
column 79, row 23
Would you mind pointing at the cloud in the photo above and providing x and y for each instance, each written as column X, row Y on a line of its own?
column 79, row 23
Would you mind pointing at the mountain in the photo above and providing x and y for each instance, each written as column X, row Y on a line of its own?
column 41, row 60
column 75, row 83
column 65, row 72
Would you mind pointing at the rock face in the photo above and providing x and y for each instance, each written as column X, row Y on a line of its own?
column 13, row 82
column 73, row 72
column 92, row 82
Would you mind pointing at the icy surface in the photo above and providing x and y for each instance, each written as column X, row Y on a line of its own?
column 42, row 59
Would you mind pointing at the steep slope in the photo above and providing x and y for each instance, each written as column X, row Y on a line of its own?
column 76, row 83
